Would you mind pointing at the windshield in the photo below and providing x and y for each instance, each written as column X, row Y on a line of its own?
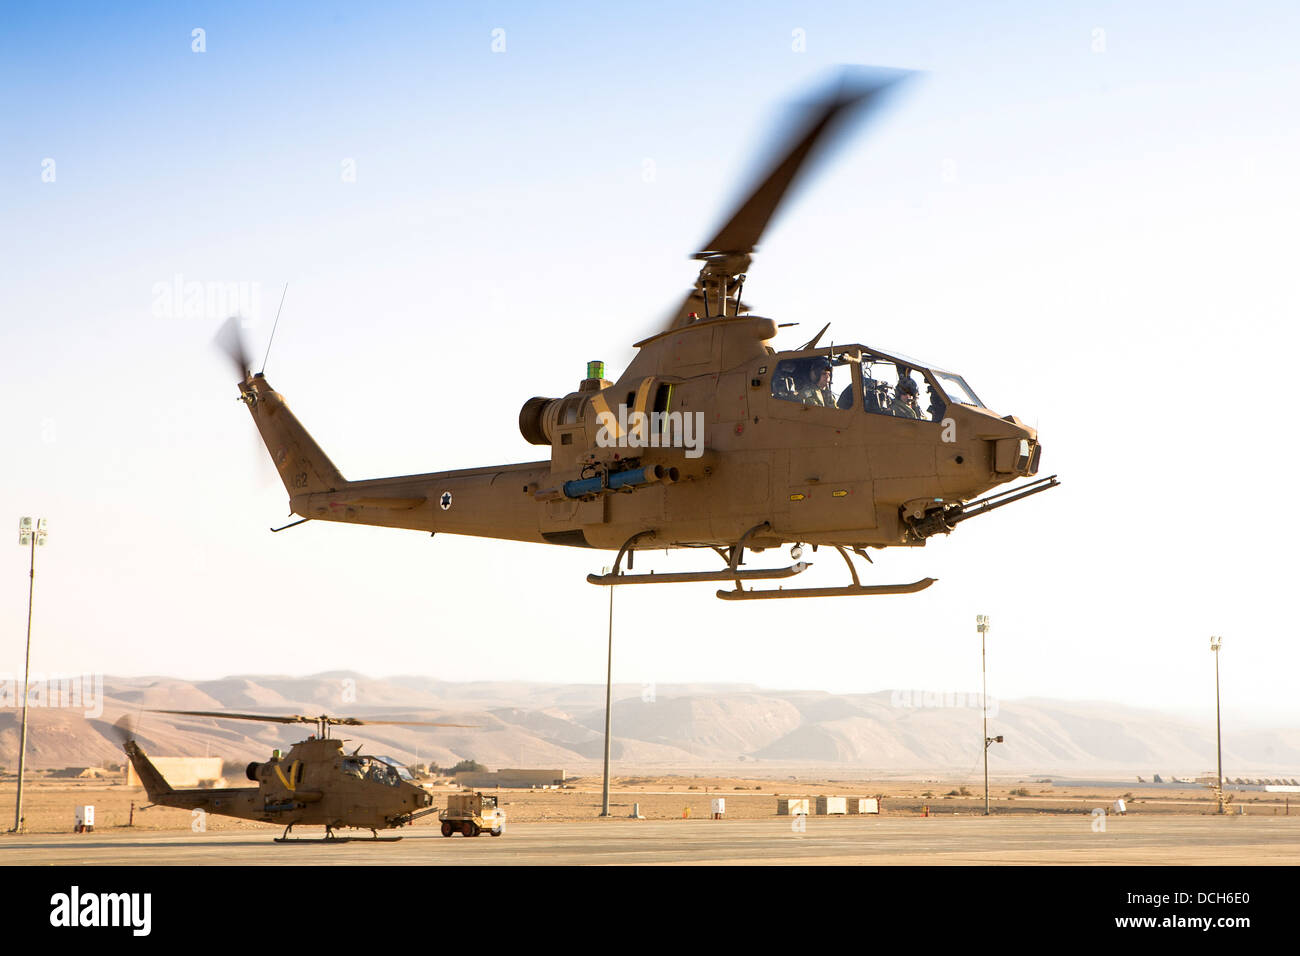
column 957, row 389
column 400, row 768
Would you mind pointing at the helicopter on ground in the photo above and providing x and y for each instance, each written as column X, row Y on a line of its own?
column 711, row 438
column 317, row 783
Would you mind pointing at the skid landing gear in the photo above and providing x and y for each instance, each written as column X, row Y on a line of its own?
column 331, row 839
column 848, row 590
column 734, row 573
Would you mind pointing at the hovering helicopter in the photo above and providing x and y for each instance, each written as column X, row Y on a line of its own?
column 316, row 784
column 711, row 437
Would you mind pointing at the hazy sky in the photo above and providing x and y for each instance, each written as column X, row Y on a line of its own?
column 1088, row 210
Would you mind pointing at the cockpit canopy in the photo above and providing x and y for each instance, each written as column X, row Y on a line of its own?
column 384, row 770
column 851, row 376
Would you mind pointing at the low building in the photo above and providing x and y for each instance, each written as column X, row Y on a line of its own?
column 512, row 778
column 831, row 806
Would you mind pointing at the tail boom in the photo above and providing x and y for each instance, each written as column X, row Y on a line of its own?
column 490, row 502
column 242, row 802
column 484, row 502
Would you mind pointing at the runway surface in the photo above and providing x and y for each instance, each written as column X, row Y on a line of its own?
column 1273, row 840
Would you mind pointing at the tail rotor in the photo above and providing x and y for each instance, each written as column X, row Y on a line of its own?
column 230, row 340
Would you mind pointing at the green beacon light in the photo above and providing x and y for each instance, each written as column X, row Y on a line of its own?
column 595, row 370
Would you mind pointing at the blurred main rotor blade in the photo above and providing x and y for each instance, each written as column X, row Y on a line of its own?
column 301, row 719
column 727, row 255
column 411, row 723
column 230, row 339
column 854, row 91
column 268, row 718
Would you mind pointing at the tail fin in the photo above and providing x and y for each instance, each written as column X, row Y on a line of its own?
column 154, row 784
column 303, row 467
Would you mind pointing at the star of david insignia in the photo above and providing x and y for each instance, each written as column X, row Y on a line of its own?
column 445, row 501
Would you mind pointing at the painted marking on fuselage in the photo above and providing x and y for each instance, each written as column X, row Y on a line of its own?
column 294, row 777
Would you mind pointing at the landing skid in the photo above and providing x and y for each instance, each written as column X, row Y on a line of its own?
column 734, row 573
column 682, row 577
column 330, row 838
column 740, row 594
column 848, row 590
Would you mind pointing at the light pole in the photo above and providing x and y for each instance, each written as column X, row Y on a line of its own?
column 1215, row 644
column 29, row 535
column 609, row 678
column 982, row 625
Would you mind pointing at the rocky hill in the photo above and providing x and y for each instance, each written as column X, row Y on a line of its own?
column 691, row 728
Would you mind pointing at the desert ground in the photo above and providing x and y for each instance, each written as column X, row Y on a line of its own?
column 921, row 822
column 49, row 802
column 950, row 840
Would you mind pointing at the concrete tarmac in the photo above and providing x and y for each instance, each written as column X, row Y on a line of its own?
column 962, row 840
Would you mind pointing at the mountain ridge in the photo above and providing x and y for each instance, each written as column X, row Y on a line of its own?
column 692, row 728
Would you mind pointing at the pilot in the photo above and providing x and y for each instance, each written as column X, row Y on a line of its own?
column 817, row 390
column 938, row 407
column 906, row 403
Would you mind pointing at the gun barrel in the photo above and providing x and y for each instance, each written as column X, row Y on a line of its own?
column 943, row 520
column 993, row 502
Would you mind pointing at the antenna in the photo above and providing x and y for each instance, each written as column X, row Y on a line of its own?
column 274, row 326
column 812, row 343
